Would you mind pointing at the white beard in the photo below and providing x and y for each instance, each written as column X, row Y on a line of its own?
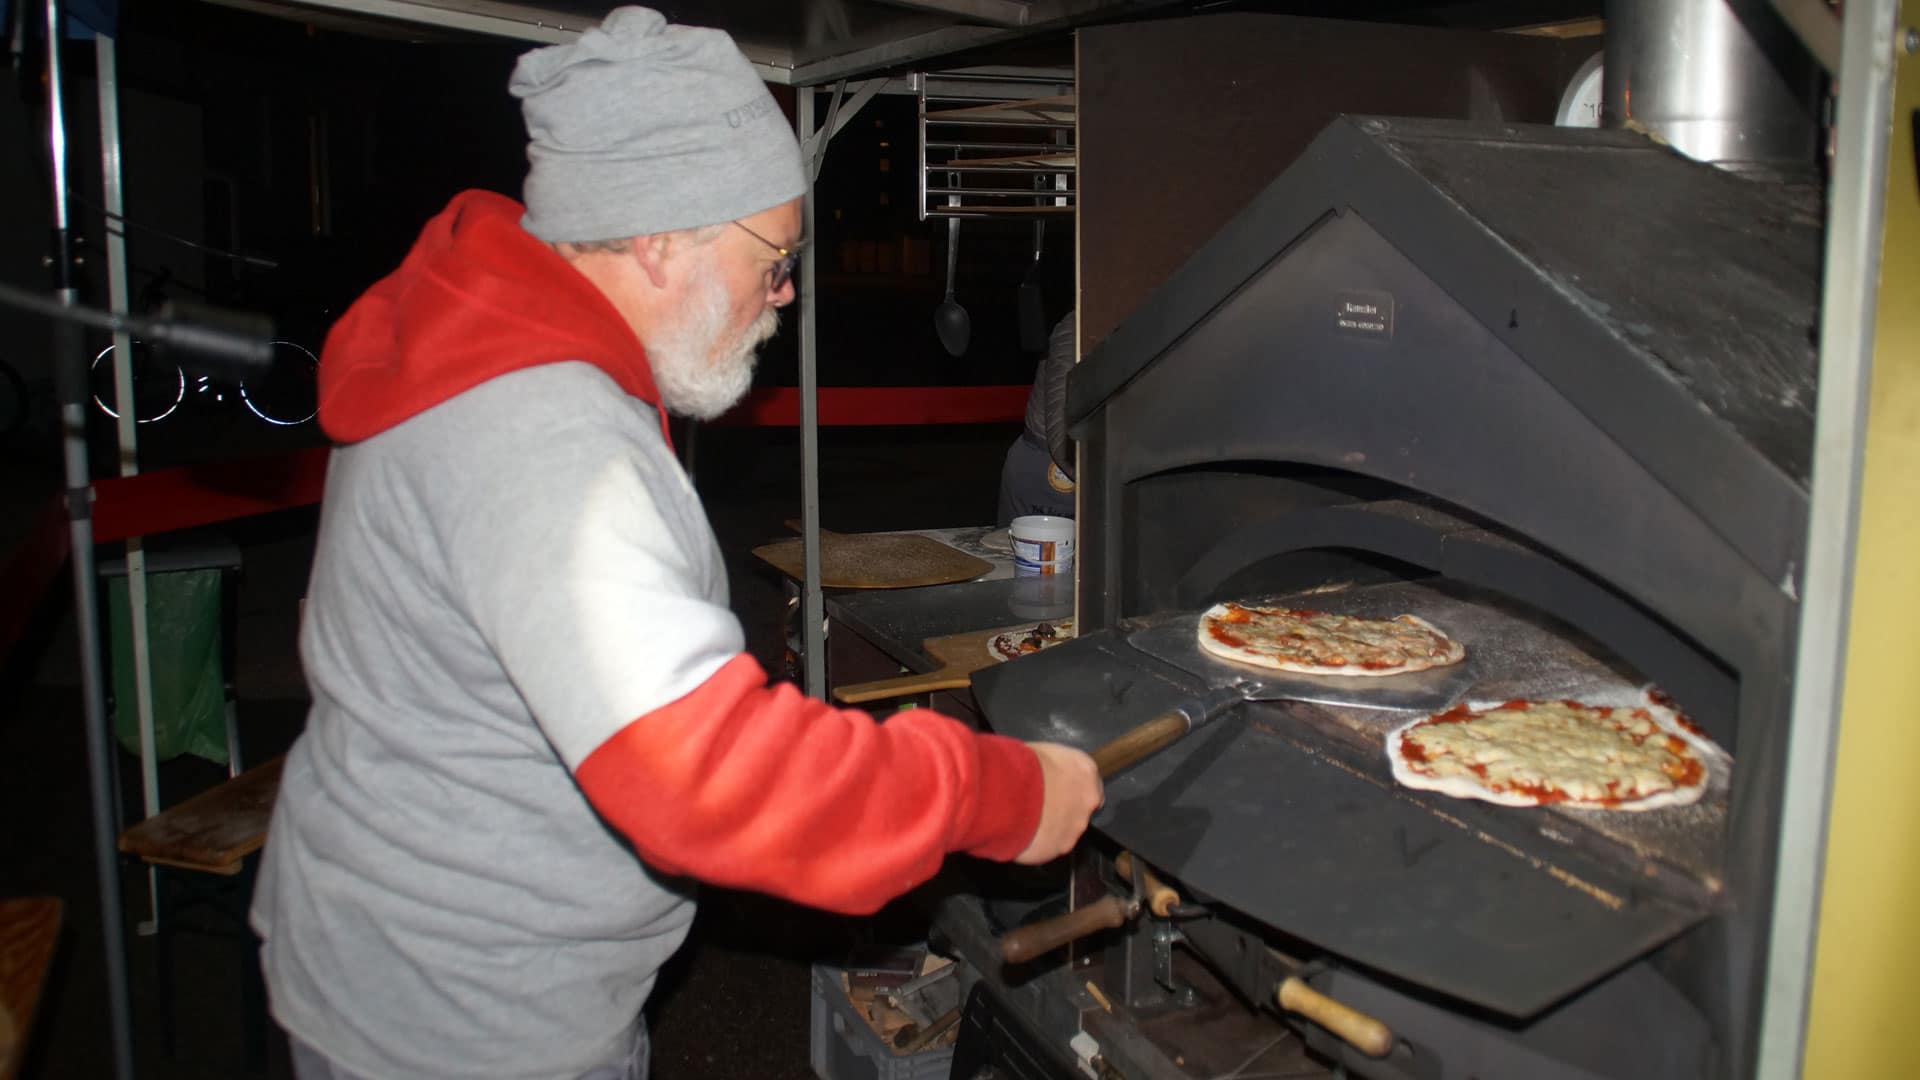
column 698, row 374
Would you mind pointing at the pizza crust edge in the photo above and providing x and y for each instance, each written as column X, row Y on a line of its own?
column 1460, row 787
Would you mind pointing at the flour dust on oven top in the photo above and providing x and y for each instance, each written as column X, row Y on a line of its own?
column 1363, row 313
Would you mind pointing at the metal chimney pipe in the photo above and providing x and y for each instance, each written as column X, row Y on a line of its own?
column 1723, row 81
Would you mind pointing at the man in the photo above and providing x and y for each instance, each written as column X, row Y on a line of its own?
column 533, row 723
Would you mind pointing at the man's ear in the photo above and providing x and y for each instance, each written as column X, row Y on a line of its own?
column 653, row 253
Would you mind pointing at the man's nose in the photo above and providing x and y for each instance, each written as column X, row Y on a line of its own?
column 783, row 295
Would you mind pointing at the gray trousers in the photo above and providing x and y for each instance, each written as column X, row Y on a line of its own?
column 1024, row 486
column 311, row 1064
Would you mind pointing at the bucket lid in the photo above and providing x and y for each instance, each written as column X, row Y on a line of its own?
column 1042, row 527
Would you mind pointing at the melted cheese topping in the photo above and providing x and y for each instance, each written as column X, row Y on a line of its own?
column 1322, row 641
column 1554, row 751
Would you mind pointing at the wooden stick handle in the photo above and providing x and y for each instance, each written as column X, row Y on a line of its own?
column 800, row 527
column 1022, row 945
column 901, row 686
column 1161, row 899
column 1363, row 1032
column 1142, row 742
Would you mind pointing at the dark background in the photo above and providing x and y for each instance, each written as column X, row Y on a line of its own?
column 322, row 152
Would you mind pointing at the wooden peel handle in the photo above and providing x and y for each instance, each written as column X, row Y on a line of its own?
column 1022, row 945
column 901, row 686
column 1161, row 899
column 1363, row 1032
column 801, row 527
column 1142, row 742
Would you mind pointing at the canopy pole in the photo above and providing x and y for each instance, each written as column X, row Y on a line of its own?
column 108, row 80
column 70, row 378
column 812, row 604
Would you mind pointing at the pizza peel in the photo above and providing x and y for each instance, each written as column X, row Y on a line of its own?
column 1177, row 642
column 875, row 560
column 956, row 656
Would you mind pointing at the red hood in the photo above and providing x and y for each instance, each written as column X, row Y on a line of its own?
column 475, row 298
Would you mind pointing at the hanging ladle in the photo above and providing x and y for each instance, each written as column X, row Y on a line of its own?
column 950, row 320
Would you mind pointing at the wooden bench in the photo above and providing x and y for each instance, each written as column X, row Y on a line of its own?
column 29, row 931
column 214, row 830
column 212, row 833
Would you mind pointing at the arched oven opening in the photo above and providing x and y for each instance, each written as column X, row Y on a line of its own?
column 1234, row 530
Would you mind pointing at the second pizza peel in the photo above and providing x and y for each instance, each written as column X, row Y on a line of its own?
column 876, row 560
column 957, row 657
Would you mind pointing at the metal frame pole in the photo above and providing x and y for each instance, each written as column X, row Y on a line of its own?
column 71, row 380
column 812, row 603
column 1854, row 223
column 107, row 79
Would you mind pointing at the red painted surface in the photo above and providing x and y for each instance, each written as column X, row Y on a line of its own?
column 183, row 498
column 195, row 495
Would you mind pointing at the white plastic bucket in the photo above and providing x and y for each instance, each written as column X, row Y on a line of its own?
column 1042, row 544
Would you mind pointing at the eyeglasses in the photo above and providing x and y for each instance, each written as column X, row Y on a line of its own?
column 783, row 269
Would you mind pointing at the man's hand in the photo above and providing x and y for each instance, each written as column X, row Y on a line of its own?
column 1073, row 793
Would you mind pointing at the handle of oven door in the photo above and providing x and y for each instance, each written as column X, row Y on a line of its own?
column 1363, row 1032
column 1160, row 897
column 1038, row 939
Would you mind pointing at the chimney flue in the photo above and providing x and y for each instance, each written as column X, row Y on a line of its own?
column 1723, row 81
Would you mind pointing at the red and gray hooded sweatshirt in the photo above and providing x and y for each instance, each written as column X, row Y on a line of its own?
column 532, row 720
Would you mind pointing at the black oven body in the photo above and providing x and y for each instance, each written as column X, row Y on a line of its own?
column 1570, row 369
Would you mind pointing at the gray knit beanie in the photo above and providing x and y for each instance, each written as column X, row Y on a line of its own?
column 640, row 127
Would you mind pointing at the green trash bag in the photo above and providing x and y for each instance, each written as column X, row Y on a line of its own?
column 183, row 645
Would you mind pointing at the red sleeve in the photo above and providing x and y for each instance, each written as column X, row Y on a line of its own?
column 757, row 787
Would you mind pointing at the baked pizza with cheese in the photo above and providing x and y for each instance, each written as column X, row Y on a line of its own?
column 1017, row 643
column 1533, row 753
column 1323, row 643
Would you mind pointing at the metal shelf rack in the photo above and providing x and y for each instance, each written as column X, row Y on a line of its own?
column 996, row 144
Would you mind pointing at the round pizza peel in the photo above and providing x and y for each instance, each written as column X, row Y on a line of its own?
column 958, row 656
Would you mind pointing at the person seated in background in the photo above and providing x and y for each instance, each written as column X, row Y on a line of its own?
column 1038, row 475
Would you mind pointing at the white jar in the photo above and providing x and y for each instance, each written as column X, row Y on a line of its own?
column 1042, row 544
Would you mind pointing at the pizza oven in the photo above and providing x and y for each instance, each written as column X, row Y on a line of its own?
column 1550, row 388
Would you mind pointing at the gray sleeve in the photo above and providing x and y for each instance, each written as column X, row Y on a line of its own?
column 1052, row 384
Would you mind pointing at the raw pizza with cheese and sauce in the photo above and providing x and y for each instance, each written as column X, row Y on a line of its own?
column 1017, row 643
column 1323, row 643
column 1567, row 753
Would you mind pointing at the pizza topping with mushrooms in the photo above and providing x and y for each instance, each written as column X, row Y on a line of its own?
column 1017, row 643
